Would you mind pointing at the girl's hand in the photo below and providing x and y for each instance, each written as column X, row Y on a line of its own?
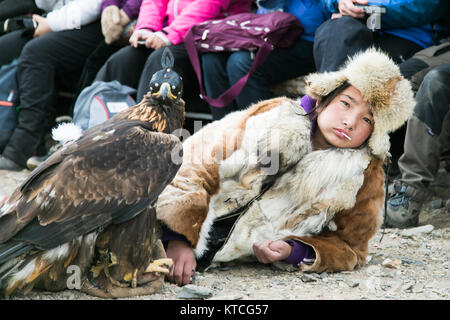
column 268, row 251
column 184, row 262
column 42, row 26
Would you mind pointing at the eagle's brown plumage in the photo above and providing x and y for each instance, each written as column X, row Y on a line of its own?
column 101, row 187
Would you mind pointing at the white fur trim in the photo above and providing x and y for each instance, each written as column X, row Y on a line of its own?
column 66, row 132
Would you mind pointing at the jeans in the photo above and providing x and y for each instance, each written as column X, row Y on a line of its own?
column 337, row 39
column 222, row 70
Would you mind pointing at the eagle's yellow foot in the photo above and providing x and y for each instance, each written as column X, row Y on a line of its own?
column 163, row 265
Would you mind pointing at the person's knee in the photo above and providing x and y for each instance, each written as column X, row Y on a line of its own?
column 238, row 64
column 338, row 25
column 114, row 65
column 212, row 63
column 34, row 51
column 436, row 79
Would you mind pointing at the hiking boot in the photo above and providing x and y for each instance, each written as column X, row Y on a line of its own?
column 34, row 162
column 6, row 164
column 402, row 211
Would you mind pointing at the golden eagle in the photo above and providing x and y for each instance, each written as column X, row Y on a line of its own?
column 92, row 203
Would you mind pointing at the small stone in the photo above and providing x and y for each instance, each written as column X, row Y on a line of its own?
column 374, row 270
column 351, row 283
column 447, row 205
column 407, row 286
column 307, row 278
column 418, row 230
column 393, row 264
column 418, row 288
column 413, row 261
column 191, row 291
column 436, row 204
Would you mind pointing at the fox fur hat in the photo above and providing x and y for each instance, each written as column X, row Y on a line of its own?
column 379, row 80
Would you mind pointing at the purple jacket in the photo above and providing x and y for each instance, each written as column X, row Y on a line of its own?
column 130, row 7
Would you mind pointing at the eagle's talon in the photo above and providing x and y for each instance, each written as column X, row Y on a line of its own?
column 163, row 265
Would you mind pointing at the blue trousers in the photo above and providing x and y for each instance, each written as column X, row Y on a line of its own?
column 222, row 70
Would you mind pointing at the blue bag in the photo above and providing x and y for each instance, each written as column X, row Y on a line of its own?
column 101, row 101
column 9, row 99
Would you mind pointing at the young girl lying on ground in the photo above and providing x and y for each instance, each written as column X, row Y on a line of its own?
column 285, row 181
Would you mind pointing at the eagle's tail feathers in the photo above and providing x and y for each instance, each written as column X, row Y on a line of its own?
column 12, row 249
column 12, row 263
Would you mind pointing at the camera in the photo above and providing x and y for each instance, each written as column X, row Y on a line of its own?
column 373, row 22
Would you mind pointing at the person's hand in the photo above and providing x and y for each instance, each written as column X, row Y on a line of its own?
column 348, row 8
column 42, row 26
column 154, row 42
column 268, row 251
column 139, row 35
column 113, row 21
column 184, row 262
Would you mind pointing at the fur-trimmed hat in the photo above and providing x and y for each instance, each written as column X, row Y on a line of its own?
column 383, row 87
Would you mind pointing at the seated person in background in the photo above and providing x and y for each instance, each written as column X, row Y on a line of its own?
column 427, row 135
column 117, row 19
column 62, row 42
column 286, row 181
column 17, row 26
column 406, row 27
column 222, row 70
column 161, row 24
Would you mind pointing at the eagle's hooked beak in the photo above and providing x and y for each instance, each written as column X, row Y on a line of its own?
column 165, row 90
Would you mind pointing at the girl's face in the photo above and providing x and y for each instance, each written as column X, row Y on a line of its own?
column 346, row 122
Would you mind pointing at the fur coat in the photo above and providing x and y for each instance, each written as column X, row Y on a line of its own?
column 257, row 167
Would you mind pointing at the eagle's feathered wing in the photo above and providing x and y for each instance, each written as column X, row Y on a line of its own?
column 109, row 175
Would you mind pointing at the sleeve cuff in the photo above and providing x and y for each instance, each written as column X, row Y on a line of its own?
column 168, row 235
column 301, row 253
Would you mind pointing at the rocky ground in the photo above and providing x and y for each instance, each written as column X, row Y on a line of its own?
column 405, row 264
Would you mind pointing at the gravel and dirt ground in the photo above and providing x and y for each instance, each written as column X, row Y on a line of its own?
column 405, row 265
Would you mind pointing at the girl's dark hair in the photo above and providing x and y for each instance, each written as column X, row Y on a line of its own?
column 325, row 101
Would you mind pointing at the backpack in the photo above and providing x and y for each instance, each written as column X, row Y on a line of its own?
column 244, row 31
column 9, row 99
column 432, row 56
column 100, row 102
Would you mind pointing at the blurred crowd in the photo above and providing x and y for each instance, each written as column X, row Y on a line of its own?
column 72, row 44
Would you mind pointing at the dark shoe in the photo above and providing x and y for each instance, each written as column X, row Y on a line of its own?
column 402, row 211
column 6, row 164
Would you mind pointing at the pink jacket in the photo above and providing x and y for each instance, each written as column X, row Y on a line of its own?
column 175, row 17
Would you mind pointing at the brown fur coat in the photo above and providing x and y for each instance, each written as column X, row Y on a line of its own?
column 184, row 205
